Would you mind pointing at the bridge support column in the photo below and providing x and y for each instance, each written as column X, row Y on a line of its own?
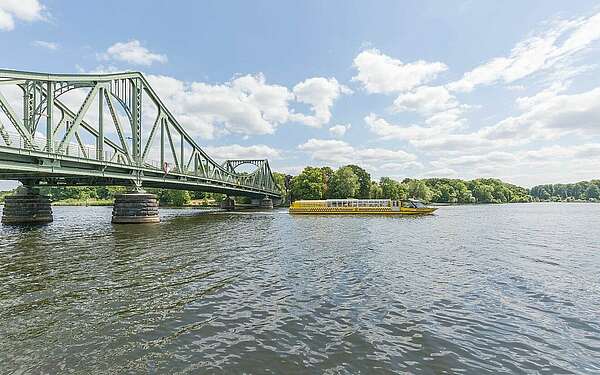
column 228, row 204
column 135, row 208
column 26, row 206
column 266, row 203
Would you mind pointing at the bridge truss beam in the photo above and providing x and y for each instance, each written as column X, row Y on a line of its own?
column 88, row 145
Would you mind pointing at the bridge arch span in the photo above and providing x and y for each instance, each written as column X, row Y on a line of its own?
column 58, row 154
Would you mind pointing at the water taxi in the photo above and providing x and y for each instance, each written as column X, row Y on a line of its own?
column 361, row 206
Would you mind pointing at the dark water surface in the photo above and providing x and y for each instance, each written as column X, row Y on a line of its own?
column 474, row 289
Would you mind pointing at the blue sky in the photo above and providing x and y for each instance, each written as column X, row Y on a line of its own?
column 407, row 89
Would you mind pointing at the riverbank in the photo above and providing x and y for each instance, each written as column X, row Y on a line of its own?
column 201, row 204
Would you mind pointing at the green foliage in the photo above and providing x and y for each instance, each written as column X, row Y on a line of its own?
column 82, row 193
column 197, row 194
column 4, row 194
column 168, row 197
column 318, row 183
column 343, row 184
column 280, row 183
column 375, row 191
column 418, row 189
column 583, row 190
column 309, row 184
column 364, row 181
column 392, row 189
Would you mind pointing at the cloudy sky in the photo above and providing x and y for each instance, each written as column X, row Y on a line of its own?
column 463, row 89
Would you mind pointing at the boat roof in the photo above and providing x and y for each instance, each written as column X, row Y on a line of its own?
column 354, row 200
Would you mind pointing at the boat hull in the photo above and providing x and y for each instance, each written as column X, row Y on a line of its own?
column 360, row 211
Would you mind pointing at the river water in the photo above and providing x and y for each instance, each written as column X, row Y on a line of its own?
column 473, row 289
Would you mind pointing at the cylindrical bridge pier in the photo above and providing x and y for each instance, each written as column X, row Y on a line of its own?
column 266, row 203
column 135, row 208
column 27, row 206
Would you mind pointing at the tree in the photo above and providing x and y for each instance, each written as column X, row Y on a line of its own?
column 170, row 197
column 308, row 184
column 343, row 184
column 197, row 194
column 327, row 175
column 592, row 192
column 375, row 192
column 483, row 193
column 392, row 189
column 364, row 181
column 418, row 190
column 281, row 186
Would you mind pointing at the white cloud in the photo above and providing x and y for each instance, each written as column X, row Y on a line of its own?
column 339, row 130
column 550, row 115
column 319, row 93
column 132, row 52
column 25, row 10
column 6, row 21
column 328, row 150
column 412, row 133
column 494, row 157
column 47, row 45
column 552, row 48
column 272, row 100
column 380, row 73
column 335, row 152
column 386, row 131
column 246, row 105
column 454, row 143
column 425, row 100
column 585, row 151
column 526, row 167
column 236, row 151
column 440, row 173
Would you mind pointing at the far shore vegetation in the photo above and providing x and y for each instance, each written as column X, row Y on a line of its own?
column 350, row 181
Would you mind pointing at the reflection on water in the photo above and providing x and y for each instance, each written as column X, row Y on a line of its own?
column 511, row 288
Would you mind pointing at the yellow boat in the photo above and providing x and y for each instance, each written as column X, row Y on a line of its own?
column 361, row 206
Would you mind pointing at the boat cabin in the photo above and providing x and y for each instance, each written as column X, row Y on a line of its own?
column 360, row 203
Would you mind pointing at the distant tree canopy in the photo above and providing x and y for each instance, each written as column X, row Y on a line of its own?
column 364, row 181
column 310, row 184
column 343, row 184
column 584, row 190
column 352, row 181
column 85, row 193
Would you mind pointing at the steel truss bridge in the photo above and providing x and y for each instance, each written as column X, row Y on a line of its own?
column 118, row 132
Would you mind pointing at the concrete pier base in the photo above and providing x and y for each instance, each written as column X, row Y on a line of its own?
column 266, row 203
column 135, row 208
column 27, row 206
column 228, row 204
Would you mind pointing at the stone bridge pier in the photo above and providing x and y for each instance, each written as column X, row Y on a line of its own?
column 263, row 203
column 135, row 207
column 27, row 206
column 227, row 204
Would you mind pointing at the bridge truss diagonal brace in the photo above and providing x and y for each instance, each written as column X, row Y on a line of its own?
column 14, row 119
column 116, row 120
column 170, row 139
column 157, row 122
column 79, row 118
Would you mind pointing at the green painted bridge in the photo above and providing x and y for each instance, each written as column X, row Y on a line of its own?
column 109, row 129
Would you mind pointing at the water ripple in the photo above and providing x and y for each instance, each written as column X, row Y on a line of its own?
column 479, row 289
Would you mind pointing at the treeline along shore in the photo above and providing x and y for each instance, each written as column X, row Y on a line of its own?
column 352, row 181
